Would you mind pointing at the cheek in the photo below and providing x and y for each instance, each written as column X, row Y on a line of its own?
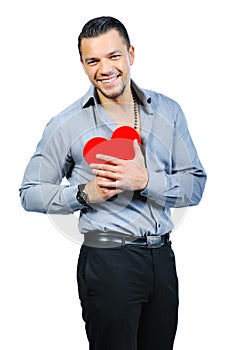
column 128, row 62
column 88, row 70
column 125, row 67
column 90, row 73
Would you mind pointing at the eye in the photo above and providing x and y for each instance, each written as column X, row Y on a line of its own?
column 115, row 57
column 92, row 62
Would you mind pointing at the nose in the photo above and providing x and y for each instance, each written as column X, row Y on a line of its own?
column 105, row 67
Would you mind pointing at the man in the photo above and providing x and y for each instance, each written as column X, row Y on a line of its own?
column 127, row 277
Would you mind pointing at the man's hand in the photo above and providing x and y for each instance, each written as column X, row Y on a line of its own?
column 119, row 174
column 97, row 193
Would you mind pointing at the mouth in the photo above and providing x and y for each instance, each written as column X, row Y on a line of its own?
column 109, row 80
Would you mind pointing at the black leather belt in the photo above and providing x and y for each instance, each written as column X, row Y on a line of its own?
column 113, row 240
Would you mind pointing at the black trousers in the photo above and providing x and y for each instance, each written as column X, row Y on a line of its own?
column 129, row 297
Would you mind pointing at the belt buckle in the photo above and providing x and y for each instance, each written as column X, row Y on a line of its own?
column 153, row 241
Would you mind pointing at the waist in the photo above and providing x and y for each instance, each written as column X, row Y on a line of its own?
column 108, row 240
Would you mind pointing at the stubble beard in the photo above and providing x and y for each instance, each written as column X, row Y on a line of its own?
column 114, row 94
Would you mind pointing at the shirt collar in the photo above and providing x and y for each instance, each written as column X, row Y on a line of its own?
column 90, row 98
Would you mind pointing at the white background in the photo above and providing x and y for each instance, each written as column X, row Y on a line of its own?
column 184, row 50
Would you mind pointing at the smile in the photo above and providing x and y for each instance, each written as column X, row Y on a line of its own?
column 110, row 80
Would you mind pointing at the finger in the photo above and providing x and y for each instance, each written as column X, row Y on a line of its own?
column 136, row 146
column 98, row 178
column 109, row 159
column 111, row 193
column 105, row 167
column 108, row 185
column 104, row 174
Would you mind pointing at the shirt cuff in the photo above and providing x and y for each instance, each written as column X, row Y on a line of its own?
column 70, row 193
column 162, row 189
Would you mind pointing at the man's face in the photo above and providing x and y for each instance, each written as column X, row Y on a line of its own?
column 106, row 61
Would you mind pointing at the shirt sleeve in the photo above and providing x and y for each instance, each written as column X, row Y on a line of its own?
column 182, row 184
column 42, row 189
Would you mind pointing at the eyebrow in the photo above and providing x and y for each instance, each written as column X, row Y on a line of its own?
column 114, row 52
column 109, row 54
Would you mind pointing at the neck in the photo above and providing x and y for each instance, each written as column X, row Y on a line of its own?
column 123, row 109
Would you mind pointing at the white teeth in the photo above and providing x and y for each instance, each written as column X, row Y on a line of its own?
column 108, row 80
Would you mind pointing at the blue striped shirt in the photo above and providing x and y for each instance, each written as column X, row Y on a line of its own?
column 176, row 175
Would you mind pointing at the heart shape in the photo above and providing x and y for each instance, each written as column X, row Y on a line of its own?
column 119, row 146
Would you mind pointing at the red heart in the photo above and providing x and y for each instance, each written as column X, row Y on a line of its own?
column 120, row 145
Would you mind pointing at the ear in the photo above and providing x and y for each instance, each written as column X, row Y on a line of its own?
column 131, row 55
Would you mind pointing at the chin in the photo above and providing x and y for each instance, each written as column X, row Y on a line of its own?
column 114, row 93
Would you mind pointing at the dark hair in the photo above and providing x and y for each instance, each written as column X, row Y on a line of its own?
column 102, row 25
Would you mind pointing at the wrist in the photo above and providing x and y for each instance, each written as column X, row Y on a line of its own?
column 82, row 196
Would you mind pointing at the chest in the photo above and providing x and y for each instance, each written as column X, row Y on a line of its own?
column 155, row 131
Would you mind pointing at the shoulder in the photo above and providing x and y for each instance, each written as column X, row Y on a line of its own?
column 161, row 101
column 74, row 112
column 66, row 114
column 71, row 117
column 164, row 106
column 157, row 102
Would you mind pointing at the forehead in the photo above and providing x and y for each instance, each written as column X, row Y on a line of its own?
column 103, row 44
